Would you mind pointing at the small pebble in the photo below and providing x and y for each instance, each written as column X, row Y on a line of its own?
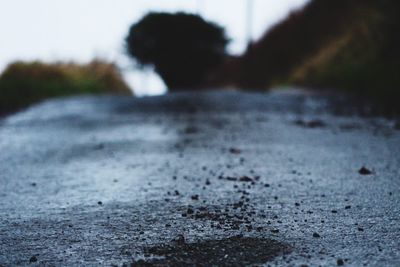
column 340, row 262
column 235, row 151
column 33, row 259
column 190, row 211
column 364, row 171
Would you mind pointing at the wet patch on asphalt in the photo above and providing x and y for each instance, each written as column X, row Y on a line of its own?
column 310, row 123
column 233, row 251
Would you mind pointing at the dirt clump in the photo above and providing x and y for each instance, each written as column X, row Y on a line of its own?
column 233, row 251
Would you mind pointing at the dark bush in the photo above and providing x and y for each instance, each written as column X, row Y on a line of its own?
column 183, row 48
column 24, row 83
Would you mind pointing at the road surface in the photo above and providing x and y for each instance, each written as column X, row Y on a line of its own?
column 288, row 178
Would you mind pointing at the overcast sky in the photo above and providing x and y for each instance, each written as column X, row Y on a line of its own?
column 80, row 30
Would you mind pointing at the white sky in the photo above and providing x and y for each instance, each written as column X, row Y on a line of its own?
column 80, row 30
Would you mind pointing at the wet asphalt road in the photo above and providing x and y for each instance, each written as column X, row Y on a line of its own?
column 219, row 177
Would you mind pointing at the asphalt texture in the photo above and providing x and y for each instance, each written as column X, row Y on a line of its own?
column 288, row 178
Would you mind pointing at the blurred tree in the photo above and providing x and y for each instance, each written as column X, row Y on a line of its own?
column 183, row 48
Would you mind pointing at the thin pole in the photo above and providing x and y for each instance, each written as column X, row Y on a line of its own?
column 249, row 20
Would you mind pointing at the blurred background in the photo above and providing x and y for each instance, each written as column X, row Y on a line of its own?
column 55, row 48
column 80, row 31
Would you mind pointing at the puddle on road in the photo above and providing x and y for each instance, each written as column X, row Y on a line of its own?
column 233, row 251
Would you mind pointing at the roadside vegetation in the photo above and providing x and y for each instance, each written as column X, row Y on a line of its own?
column 25, row 83
column 351, row 45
